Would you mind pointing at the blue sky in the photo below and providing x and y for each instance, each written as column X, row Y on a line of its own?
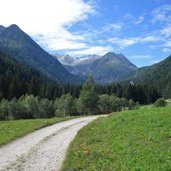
column 139, row 29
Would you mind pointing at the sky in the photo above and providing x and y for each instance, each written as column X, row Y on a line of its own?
column 139, row 29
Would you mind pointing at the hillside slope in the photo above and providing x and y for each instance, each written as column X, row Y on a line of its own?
column 17, row 79
column 158, row 74
column 17, row 44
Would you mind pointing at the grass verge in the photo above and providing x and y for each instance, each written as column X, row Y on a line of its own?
column 137, row 140
column 11, row 130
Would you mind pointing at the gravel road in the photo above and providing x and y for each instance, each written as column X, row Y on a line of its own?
column 43, row 149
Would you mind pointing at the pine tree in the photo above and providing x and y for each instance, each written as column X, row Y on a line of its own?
column 88, row 99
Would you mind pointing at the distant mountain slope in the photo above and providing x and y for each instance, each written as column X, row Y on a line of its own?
column 109, row 68
column 158, row 75
column 17, row 44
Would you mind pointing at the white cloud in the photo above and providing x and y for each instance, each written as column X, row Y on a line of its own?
column 125, row 42
column 35, row 16
column 140, row 20
column 113, row 27
column 166, row 31
column 141, row 57
column 99, row 50
column 132, row 19
column 166, row 50
column 64, row 45
column 50, row 19
column 150, row 39
column 162, row 14
column 167, row 43
column 64, row 40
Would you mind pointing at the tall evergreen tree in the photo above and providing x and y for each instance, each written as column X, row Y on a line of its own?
column 88, row 99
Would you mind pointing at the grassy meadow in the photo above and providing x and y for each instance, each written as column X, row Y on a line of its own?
column 11, row 130
column 138, row 140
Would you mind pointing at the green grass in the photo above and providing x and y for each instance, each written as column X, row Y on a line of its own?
column 11, row 130
column 138, row 140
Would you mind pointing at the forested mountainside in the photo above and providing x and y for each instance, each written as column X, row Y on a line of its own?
column 17, row 79
column 158, row 75
column 17, row 44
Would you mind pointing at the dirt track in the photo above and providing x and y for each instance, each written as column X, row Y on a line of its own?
column 42, row 150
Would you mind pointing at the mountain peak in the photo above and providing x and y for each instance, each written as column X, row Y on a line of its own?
column 13, row 26
column 111, row 56
column 110, row 53
column 14, row 29
column 117, row 59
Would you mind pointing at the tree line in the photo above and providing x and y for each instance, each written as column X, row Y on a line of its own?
column 88, row 103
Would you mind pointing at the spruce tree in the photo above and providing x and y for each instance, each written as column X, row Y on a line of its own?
column 88, row 99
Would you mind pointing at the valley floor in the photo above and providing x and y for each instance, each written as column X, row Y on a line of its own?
column 43, row 149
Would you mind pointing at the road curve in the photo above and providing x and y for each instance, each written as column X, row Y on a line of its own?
column 43, row 149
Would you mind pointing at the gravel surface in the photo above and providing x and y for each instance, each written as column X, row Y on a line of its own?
column 41, row 150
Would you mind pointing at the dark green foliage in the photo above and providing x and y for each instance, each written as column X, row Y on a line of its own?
column 131, row 104
column 88, row 99
column 167, row 91
column 32, row 107
column 158, row 75
column 17, row 80
column 104, row 104
column 46, row 109
column 26, row 107
column 65, row 106
column 160, row 103
column 142, row 93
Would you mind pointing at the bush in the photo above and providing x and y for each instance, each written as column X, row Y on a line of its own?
column 4, row 109
column 65, row 106
column 131, row 105
column 161, row 102
column 137, row 105
column 104, row 104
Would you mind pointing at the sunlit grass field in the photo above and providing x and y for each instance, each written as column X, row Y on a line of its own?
column 138, row 140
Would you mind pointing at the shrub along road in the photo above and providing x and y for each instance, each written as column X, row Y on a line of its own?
column 43, row 149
